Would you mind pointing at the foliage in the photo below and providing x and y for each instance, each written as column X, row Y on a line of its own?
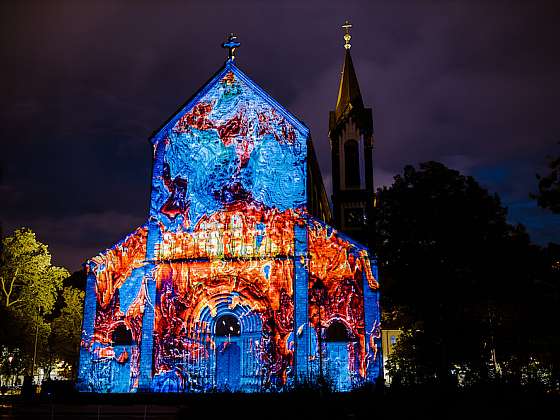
column 548, row 196
column 66, row 328
column 28, row 280
column 411, row 359
column 457, row 278
column 29, row 287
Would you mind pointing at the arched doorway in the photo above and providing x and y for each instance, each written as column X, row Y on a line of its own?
column 228, row 352
column 337, row 338
column 119, row 366
column 241, row 328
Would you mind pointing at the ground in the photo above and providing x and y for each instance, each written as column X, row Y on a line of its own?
column 495, row 403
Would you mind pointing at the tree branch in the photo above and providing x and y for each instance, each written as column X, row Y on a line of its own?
column 8, row 294
column 13, row 302
column 3, row 284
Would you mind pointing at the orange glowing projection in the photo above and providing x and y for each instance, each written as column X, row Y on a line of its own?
column 231, row 283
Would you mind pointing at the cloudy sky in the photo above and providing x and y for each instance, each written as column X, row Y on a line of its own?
column 475, row 85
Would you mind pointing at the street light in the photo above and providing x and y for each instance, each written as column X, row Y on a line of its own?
column 10, row 358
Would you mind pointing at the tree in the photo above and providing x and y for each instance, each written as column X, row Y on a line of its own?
column 66, row 329
column 453, row 267
column 29, row 286
column 548, row 196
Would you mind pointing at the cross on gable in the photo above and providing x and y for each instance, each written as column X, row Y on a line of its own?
column 231, row 44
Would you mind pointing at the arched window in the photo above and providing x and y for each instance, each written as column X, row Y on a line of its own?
column 337, row 331
column 228, row 325
column 122, row 336
column 351, row 164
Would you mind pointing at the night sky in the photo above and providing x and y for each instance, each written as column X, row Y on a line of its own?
column 475, row 85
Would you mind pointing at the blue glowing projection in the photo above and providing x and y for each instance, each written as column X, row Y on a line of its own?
column 231, row 282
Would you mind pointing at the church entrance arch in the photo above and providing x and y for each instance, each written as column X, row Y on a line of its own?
column 337, row 340
column 236, row 342
column 228, row 352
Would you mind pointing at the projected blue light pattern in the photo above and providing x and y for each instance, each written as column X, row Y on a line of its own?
column 229, row 239
column 233, row 146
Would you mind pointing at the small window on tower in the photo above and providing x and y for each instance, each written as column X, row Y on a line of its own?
column 351, row 164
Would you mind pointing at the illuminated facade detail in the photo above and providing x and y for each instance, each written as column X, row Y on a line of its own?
column 233, row 282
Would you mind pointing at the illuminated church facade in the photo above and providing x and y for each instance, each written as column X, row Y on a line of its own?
column 237, row 281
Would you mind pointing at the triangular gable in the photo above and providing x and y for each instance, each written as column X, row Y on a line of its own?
column 229, row 66
column 313, row 220
column 132, row 246
column 330, row 251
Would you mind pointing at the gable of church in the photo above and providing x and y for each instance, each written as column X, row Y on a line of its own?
column 230, row 145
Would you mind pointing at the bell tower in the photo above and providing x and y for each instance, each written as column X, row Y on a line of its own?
column 351, row 139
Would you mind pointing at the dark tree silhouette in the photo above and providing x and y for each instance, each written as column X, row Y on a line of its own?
column 548, row 196
column 456, row 275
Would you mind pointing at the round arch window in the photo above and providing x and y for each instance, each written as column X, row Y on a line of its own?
column 337, row 331
column 122, row 336
column 228, row 325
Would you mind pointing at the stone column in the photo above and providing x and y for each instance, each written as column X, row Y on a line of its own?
column 154, row 237
column 301, row 306
column 372, row 318
column 88, row 325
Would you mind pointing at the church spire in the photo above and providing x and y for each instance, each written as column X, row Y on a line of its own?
column 349, row 96
column 351, row 139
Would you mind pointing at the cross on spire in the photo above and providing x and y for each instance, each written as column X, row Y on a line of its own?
column 231, row 44
column 347, row 37
column 349, row 96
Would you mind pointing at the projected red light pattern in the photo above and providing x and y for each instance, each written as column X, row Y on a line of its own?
column 231, row 284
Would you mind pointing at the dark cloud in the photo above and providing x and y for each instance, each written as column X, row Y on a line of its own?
column 472, row 84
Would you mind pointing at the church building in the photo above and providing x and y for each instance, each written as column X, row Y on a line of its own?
column 237, row 280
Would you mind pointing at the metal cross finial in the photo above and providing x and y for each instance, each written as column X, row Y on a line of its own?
column 347, row 37
column 231, row 44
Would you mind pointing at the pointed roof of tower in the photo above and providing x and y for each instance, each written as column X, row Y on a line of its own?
column 349, row 95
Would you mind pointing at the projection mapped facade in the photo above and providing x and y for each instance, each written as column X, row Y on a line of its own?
column 233, row 282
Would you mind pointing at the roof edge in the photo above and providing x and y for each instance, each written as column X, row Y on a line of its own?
column 228, row 66
column 155, row 136
column 271, row 101
column 343, row 236
column 90, row 261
